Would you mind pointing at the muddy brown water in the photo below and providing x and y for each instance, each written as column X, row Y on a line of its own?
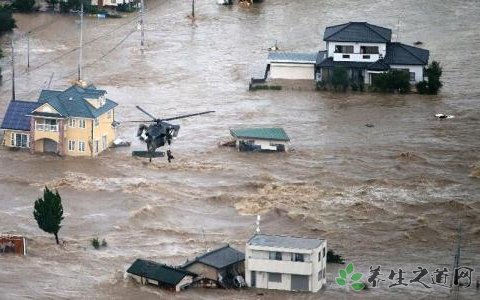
column 344, row 181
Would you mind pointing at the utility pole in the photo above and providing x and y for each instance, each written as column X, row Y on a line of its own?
column 142, row 26
column 28, row 51
column 456, row 263
column 193, row 9
column 13, row 72
column 81, row 44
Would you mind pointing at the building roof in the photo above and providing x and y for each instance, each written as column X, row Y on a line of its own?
column 277, row 134
column 159, row 272
column 219, row 258
column 292, row 57
column 280, row 241
column 329, row 63
column 16, row 115
column 401, row 54
column 357, row 32
column 379, row 65
column 72, row 102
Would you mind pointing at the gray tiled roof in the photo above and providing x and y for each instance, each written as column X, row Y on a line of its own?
column 292, row 57
column 357, row 32
column 16, row 115
column 284, row 241
column 159, row 272
column 329, row 63
column 218, row 258
column 401, row 54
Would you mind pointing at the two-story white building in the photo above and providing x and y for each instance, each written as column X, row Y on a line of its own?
column 285, row 263
column 366, row 50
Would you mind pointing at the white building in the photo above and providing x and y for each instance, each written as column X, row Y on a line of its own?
column 366, row 50
column 102, row 3
column 285, row 263
column 297, row 66
column 260, row 139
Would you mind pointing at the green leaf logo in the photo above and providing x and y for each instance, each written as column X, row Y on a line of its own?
column 354, row 278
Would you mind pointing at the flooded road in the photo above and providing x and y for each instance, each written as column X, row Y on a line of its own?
column 391, row 195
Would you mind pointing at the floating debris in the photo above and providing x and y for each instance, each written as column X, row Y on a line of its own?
column 444, row 116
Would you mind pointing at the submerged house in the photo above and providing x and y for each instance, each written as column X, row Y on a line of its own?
column 13, row 244
column 149, row 272
column 285, row 263
column 217, row 268
column 79, row 121
column 260, row 139
column 365, row 50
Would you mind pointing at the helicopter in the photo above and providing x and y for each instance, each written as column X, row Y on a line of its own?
column 159, row 133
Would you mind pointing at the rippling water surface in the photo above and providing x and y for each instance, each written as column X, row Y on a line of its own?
column 391, row 195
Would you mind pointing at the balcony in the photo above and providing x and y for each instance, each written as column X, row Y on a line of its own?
column 280, row 266
column 46, row 127
column 358, row 57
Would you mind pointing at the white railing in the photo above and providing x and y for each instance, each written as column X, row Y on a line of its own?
column 355, row 57
column 46, row 127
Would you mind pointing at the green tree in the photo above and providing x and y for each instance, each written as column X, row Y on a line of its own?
column 391, row 81
column 7, row 22
column 339, row 78
column 434, row 73
column 48, row 211
column 24, row 5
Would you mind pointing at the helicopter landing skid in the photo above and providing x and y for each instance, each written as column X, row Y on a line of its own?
column 146, row 154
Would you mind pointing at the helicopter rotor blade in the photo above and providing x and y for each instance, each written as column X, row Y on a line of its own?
column 147, row 121
column 145, row 112
column 190, row 115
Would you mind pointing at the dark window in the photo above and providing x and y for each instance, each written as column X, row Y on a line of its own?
column 345, row 56
column 297, row 257
column 412, row 76
column 275, row 255
column 323, row 250
column 343, row 49
column 274, row 277
column 369, row 49
column 366, row 57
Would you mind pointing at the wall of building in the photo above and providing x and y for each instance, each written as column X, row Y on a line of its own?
column 186, row 281
column 78, row 134
column 104, row 128
column 292, row 71
column 418, row 70
column 257, row 259
column 7, row 137
column 356, row 55
column 203, row 270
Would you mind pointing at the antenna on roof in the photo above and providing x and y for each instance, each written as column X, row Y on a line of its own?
column 258, row 224
column 13, row 72
column 81, row 44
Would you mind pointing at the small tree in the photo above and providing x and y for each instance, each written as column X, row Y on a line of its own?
column 391, row 81
column 48, row 211
column 434, row 72
column 24, row 5
column 7, row 22
column 339, row 78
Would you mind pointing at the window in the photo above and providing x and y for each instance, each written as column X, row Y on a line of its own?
column 96, row 146
column 323, row 251
column 345, row 56
column 275, row 255
column 104, row 142
column 412, row 76
column 320, row 275
column 274, row 277
column 81, row 123
column 71, row 123
column 97, row 122
column 343, row 49
column 366, row 56
column 19, row 140
column 369, row 49
column 297, row 257
column 71, row 145
column 81, row 146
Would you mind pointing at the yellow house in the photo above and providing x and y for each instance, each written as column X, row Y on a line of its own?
column 79, row 121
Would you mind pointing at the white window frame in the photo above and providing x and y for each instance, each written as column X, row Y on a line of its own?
column 81, row 123
column 97, row 146
column 97, row 122
column 72, row 123
column 104, row 142
column 81, row 146
column 13, row 140
column 71, row 146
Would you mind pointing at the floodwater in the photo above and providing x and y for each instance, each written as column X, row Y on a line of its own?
column 391, row 195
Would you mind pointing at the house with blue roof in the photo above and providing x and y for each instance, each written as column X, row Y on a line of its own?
column 260, row 139
column 364, row 49
column 79, row 121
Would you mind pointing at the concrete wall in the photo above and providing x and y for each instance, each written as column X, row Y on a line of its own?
column 257, row 259
column 292, row 71
column 203, row 270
